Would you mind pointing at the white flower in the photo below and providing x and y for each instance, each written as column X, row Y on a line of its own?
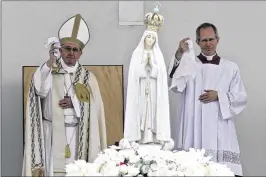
column 111, row 172
column 147, row 160
column 133, row 159
column 144, row 169
column 134, row 145
column 133, row 171
column 215, row 169
column 154, row 167
column 115, row 147
column 161, row 172
column 123, row 169
column 169, row 145
column 124, row 154
column 101, row 159
column 124, row 144
column 72, row 168
column 109, row 168
column 166, row 155
column 161, row 163
column 154, row 162
column 171, row 166
column 180, row 173
column 193, row 169
column 152, row 173
column 81, row 168
column 110, row 152
column 118, row 159
column 80, row 163
column 91, row 169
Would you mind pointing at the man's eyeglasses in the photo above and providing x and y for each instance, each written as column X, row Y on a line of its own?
column 205, row 40
column 69, row 49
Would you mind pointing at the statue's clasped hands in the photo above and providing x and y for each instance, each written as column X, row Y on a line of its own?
column 148, row 64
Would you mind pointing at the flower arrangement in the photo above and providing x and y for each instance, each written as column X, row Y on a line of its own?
column 157, row 162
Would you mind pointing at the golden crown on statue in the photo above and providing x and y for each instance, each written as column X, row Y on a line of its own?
column 154, row 20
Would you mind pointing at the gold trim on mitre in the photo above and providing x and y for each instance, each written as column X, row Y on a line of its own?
column 73, row 40
column 154, row 20
column 74, row 30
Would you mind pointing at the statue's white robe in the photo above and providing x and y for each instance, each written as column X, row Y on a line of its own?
column 135, row 118
column 82, row 147
column 148, row 103
column 211, row 126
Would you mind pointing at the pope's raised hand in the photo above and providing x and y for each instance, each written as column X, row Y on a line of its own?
column 54, row 49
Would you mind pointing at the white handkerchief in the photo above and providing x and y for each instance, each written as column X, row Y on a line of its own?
column 186, row 69
column 50, row 41
column 190, row 44
column 53, row 41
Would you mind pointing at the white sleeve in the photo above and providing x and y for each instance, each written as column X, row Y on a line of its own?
column 185, row 71
column 234, row 100
column 43, row 80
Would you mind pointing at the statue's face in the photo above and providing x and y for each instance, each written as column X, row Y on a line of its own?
column 150, row 40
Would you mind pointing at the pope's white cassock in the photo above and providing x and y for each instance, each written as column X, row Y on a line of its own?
column 49, row 128
column 209, row 126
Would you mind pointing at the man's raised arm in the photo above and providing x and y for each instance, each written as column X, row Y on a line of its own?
column 43, row 77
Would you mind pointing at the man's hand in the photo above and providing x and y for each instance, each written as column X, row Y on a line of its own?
column 209, row 96
column 66, row 103
column 52, row 56
column 183, row 47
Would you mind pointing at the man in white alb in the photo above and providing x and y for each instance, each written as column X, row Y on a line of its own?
column 212, row 95
column 65, row 118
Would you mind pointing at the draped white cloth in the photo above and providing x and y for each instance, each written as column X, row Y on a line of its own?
column 158, row 104
column 186, row 70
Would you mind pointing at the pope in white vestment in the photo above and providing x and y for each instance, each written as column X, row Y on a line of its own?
column 147, row 119
column 209, row 125
column 55, row 137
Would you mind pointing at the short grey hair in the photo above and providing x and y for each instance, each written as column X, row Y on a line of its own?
column 206, row 25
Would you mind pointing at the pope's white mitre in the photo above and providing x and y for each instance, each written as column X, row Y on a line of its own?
column 74, row 30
